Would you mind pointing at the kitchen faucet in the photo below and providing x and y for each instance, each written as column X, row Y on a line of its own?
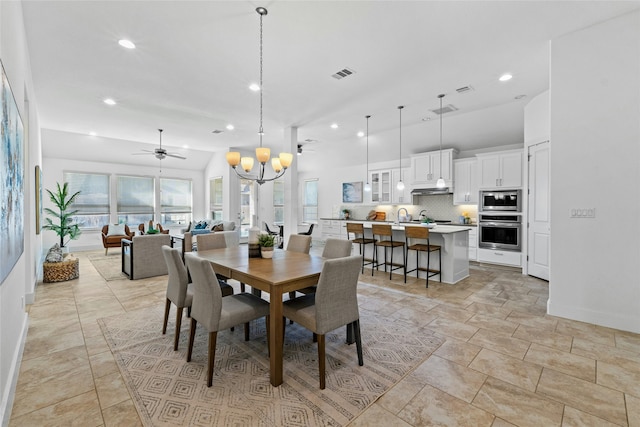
column 420, row 216
column 406, row 213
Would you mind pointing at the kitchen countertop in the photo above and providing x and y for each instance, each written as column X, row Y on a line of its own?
column 448, row 224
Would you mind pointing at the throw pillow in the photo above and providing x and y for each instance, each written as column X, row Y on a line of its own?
column 203, row 231
column 200, row 225
column 218, row 227
column 116, row 230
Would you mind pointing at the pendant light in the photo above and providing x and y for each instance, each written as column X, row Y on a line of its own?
column 367, row 186
column 400, row 185
column 440, row 183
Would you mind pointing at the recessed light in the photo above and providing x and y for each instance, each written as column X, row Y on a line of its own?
column 505, row 77
column 334, row 126
column 127, row 43
column 426, row 119
column 109, row 101
column 230, row 127
column 185, row 146
column 254, row 87
column 92, row 133
column 360, row 134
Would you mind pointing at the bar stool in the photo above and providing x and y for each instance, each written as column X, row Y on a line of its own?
column 423, row 233
column 386, row 241
column 358, row 237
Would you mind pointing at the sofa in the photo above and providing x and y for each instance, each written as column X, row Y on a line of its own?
column 232, row 234
column 113, row 234
column 142, row 256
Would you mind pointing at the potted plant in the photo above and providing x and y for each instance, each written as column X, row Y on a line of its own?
column 63, row 226
column 266, row 242
column 346, row 213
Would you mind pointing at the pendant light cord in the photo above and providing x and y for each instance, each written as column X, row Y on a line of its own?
column 367, row 117
column 400, row 107
column 441, row 96
column 261, row 130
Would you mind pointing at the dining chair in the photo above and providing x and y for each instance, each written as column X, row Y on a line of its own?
column 206, row 242
column 334, row 304
column 179, row 290
column 308, row 232
column 299, row 243
column 216, row 313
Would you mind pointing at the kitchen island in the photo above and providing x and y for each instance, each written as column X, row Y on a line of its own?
column 453, row 239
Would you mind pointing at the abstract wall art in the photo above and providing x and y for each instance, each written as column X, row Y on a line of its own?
column 11, row 180
column 352, row 192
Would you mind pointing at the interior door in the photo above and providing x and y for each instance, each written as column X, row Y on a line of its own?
column 539, row 231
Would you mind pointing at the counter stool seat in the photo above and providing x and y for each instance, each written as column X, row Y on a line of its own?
column 386, row 241
column 422, row 233
column 357, row 229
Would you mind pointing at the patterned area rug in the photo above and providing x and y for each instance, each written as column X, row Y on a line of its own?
column 109, row 266
column 167, row 391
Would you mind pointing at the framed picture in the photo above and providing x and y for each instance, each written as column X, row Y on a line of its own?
column 12, row 182
column 352, row 192
column 38, row 186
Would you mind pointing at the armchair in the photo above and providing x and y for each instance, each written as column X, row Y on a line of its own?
column 112, row 239
column 142, row 256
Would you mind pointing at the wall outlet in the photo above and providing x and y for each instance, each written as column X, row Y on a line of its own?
column 582, row 213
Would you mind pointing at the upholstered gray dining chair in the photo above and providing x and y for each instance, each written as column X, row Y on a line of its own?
column 334, row 304
column 206, row 242
column 179, row 290
column 216, row 313
column 299, row 243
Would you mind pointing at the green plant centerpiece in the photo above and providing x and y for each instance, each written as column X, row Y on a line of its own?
column 346, row 213
column 266, row 242
column 63, row 225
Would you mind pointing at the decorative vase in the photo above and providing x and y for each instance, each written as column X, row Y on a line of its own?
column 266, row 252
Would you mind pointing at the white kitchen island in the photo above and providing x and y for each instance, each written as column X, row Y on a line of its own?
column 454, row 241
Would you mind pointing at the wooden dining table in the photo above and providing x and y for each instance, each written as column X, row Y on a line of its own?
column 287, row 271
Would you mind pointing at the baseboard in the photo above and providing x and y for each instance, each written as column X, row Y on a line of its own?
column 10, row 390
column 606, row 319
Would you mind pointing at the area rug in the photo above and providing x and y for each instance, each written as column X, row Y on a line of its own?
column 168, row 391
column 109, row 266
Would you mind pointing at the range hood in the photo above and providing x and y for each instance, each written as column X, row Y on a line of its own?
column 429, row 191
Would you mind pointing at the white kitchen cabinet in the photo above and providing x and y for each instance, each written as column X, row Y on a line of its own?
column 400, row 197
column 501, row 169
column 333, row 228
column 465, row 182
column 425, row 168
column 380, row 186
column 473, row 244
column 494, row 256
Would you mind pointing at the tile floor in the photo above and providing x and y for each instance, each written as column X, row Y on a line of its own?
column 504, row 362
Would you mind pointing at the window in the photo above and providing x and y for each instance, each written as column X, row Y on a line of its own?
column 278, row 202
column 175, row 201
column 135, row 199
column 215, row 197
column 247, row 208
column 310, row 204
column 92, row 203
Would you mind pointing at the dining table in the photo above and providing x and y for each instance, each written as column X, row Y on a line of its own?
column 286, row 272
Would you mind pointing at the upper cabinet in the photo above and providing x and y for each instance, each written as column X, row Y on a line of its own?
column 425, row 168
column 465, row 178
column 380, row 186
column 500, row 169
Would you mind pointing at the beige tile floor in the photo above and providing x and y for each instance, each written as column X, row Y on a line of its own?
column 504, row 362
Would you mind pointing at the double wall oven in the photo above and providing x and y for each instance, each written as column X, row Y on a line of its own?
column 500, row 220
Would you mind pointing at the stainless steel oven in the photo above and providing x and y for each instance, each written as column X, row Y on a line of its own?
column 501, row 200
column 500, row 231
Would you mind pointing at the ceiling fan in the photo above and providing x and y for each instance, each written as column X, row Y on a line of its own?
column 160, row 153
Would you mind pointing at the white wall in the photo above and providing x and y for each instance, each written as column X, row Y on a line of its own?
column 536, row 120
column 20, row 283
column 595, row 163
column 53, row 170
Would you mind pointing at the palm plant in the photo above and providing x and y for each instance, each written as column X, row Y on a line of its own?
column 63, row 226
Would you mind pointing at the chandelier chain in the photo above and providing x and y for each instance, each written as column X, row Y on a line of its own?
column 261, row 130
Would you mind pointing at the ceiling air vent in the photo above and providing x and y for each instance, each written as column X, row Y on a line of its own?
column 345, row 72
column 464, row 89
column 217, row 131
column 444, row 110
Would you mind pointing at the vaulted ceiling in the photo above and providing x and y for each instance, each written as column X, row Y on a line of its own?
column 193, row 62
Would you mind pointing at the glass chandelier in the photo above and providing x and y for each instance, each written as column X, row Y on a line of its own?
column 263, row 154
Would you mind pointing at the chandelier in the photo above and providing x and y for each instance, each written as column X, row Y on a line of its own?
column 263, row 154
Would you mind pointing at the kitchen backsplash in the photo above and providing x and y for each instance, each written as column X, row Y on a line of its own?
column 438, row 207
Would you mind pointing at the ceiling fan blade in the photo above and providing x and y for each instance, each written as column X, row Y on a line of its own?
column 145, row 153
column 177, row 156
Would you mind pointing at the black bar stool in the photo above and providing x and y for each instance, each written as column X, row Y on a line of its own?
column 386, row 241
column 358, row 237
column 422, row 233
